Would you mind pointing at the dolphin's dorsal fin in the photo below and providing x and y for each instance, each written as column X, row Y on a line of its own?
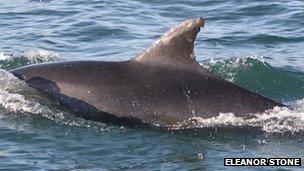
column 175, row 46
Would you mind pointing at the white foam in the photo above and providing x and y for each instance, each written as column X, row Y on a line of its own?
column 15, row 97
column 11, row 98
column 232, row 63
column 34, row 56
column 43, row 55
column 229, row 66
column 277, row 120
column 4, row 56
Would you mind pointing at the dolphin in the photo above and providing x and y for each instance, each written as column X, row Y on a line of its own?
column 162, row 86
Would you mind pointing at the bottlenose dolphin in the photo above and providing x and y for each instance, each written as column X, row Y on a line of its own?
column 162, row 86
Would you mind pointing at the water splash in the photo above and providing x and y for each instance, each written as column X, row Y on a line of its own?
column 277, row 120
column 17, row 97
column 21, row 58
column 229, row 69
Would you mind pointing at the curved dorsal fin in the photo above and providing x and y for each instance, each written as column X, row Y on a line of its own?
column 175, row 46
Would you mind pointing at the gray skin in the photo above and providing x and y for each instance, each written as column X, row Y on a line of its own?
column 164, row 85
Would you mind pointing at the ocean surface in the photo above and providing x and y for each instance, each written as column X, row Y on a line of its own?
column 255, row 44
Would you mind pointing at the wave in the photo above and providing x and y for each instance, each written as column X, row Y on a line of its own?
column 254, row 9
column 92, row 32
column 273, row 39
column 257, row 75
column 278, row 120
column 262, row 39
column 20, row 58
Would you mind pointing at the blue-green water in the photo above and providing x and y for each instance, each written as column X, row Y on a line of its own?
column 256, row 44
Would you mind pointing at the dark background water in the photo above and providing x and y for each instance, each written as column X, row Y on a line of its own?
column 256, row 44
